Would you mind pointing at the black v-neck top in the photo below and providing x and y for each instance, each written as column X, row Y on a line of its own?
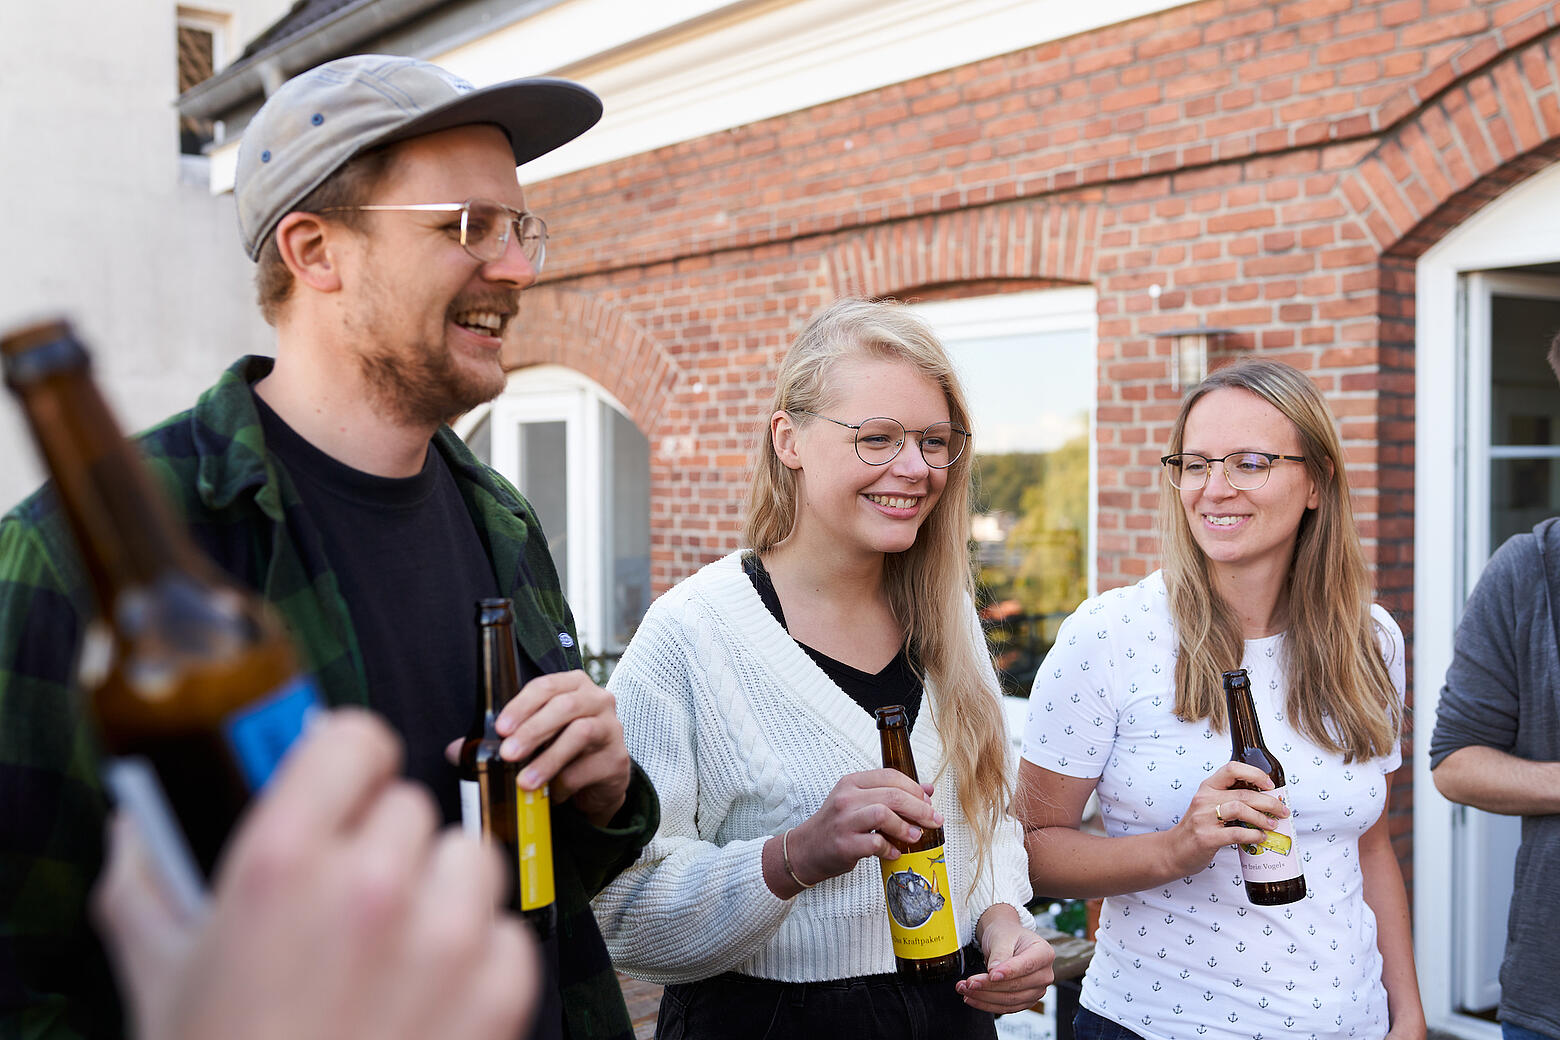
column 899, row 682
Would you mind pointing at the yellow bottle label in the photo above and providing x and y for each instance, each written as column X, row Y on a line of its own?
column 920, row 907
column 1273, row 857
column 1271, row 841
column 533, row 832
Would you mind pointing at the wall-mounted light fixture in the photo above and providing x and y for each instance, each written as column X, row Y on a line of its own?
column 1189, row 354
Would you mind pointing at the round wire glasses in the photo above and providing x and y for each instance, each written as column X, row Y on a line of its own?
column 879, row 440
column 485, row 227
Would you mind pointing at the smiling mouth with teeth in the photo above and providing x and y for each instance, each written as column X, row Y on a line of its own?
column 893, row 501
column 485, row 323
column 1223, row 521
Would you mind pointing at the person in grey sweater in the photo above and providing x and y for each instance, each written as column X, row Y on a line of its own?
column 1496, row 747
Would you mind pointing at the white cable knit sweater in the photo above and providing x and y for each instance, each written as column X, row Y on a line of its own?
column 744, row 736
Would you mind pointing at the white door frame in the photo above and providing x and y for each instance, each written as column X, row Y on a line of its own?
column 582, row 434
column 1521, row 227
column 554, row 393
column 1484, row 846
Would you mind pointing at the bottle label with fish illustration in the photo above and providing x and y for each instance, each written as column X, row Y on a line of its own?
column 920, row 914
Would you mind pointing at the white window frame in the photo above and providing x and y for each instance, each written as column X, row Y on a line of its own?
column 196, row 169
column 218, row 23
column 555, row 393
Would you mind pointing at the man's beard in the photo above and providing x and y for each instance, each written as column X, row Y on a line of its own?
column 423, row 385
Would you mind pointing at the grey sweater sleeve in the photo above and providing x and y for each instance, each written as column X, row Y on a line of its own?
column 1480, row 702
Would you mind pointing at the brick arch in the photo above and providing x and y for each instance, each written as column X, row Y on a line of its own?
column 1464, row 147
column 1474, row 56
column 1052, row 242
column 593, row 336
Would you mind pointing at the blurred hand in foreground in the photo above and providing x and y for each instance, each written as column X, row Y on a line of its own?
column 340, row 911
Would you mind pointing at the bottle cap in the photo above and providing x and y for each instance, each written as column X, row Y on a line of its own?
column 890, row 715
column 33, row 352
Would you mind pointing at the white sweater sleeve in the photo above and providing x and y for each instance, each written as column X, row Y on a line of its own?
column 687, row 909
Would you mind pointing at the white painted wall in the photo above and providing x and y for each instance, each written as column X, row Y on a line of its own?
column 94, row 219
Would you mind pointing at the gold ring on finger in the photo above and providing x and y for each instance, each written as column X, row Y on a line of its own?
column 1218, row 812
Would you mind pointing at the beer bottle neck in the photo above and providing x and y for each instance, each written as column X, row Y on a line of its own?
column 498, row 675
column 1244, row 730
column 894, row 730
column 125, row 531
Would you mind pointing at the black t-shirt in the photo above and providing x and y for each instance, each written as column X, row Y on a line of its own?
column 898, row 683
column 411, row 568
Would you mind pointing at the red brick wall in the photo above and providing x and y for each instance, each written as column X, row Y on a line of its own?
column 1275, row 167
column 1271, row 165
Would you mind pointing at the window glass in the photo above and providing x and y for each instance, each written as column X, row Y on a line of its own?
column 197, row 61
column 544, row 481
column 1524, row 415
column 585, row 468
column 627, row 516
column 1028, row 364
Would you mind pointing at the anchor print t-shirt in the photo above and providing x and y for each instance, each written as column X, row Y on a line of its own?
column 1194, row 958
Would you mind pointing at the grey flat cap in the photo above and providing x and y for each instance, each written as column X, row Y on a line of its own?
column 319, row 119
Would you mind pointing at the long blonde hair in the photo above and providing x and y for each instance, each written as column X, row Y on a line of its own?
column 1340, row 694
column 930, row 585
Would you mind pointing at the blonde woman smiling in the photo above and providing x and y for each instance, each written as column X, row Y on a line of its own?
column 747, row 695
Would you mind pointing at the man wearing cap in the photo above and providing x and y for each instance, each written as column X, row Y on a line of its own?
column 379, row 196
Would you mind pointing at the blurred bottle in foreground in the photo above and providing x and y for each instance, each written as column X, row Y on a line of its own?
column 194, row 685
column 492, row 806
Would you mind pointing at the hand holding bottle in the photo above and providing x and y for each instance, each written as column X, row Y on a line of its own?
column 339, row 912
column 493, row 806
column 917, row 892
column 863, row 816
column 1272, row 867
column 1235, row 793
column 571, row 727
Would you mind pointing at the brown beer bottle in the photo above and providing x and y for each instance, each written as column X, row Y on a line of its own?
column 194, row 685
column 915, row 886
column 1271, row 864
column 492, row 806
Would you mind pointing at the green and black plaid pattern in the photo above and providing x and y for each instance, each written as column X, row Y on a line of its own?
column 243, row 510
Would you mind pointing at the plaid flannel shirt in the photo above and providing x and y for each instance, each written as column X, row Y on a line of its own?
column 242, row 509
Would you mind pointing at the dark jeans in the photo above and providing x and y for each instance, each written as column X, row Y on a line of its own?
column 1089, row 1026
column 1512, row 1031
column 745, row 1008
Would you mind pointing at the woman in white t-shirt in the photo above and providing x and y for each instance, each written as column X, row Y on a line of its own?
column 1263, row 570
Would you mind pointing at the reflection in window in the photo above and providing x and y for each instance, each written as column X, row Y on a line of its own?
column 1524, row 415
column 1028, row 364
